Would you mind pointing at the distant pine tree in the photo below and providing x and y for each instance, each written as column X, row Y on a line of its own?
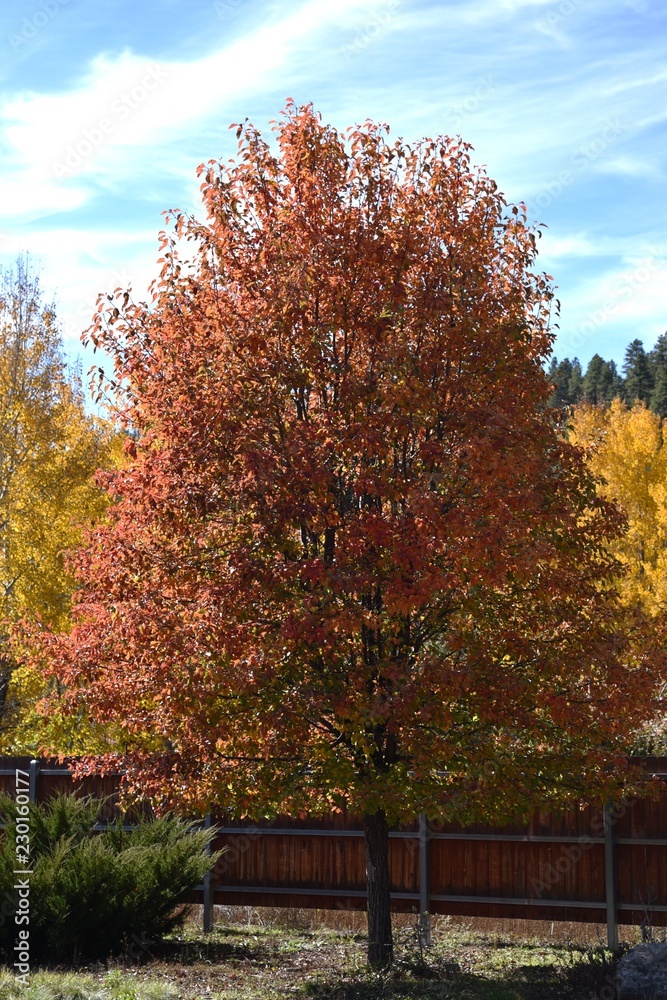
column 567, row 378
column 591, row 383
column 645, row 378
column 612, row 386
column 637, row 371
column 575, row 385
column 601, row 383
column 658, row 366
column 559, row 374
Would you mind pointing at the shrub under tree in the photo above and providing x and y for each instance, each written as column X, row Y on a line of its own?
column 96, row 894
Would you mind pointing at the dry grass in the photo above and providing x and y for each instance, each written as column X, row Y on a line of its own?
column 280, row 954
column 354, row 922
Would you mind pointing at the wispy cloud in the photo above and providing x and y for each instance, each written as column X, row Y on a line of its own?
column 555, row 248
column 633, row 166
column 105, row 117
column 125, row 105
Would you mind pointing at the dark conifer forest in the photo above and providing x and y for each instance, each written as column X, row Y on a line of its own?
column 643, row 377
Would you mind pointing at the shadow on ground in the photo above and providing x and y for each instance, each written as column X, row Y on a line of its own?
column 591, row 975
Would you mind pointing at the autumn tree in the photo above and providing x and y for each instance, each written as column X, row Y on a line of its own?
column 49, row 449
column 626, row 452
column 353, row 558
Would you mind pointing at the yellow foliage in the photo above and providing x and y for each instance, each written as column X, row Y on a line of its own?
column 626, row 448
column 49, row 450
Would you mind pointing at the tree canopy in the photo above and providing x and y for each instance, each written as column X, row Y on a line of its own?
column 353, row 558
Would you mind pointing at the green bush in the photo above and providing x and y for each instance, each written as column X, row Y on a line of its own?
column 96, row 894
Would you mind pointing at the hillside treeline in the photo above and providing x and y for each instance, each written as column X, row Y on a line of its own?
column 643, row 377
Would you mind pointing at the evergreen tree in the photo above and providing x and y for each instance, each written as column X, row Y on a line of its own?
column 567, row 379
column 592, row 379
column 637, row 371
column 601, row 383
column 658, row 367
column 560, row 373
column 575, row 385
column 612, row 385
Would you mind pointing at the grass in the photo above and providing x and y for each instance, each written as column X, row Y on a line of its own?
column 114, row 985
column 280, row 955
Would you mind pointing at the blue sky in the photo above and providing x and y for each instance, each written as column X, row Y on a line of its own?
column 108, row 106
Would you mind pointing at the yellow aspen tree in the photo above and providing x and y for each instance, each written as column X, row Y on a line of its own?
column 50, row 447
column 626, row 450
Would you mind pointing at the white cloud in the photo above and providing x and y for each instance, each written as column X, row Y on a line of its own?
column 59, row 146
column 537, row 113
column 632, row 166
column 633, row 84
column 129, row 117
column 552, row 247
column 624, row 302
column 80, row 264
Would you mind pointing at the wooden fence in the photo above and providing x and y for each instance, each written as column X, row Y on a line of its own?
column 607, row 866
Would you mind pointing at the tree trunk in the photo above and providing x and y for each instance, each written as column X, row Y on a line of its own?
column 380, row 942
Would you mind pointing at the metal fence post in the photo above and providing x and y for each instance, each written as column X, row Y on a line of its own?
column 424, row 881
column 32, row 781
column 208, row 886
column 610, row 876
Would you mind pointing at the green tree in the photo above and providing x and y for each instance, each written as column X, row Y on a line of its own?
column 567, row 379
column 575, row 385
column 637, row 372
column 601, row 383
column 560, row 373
column 658, row 367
